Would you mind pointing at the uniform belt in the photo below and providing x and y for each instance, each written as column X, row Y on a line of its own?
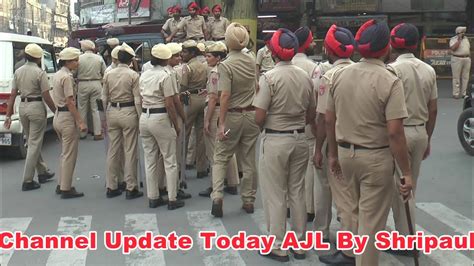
column 125, row 104
column 218, row 39
column 271, row 131
column 161, row 110
column 193, row 91
column 241, row 110
column 62, row 109
column 196, row 38
column 414, row 125
column 217, row 104
column 88, row 79
column 461, row 56
column 358, row 147
column 32, row 99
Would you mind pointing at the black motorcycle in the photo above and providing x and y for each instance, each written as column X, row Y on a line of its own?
column 466, row 121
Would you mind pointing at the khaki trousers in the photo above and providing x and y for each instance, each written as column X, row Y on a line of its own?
column 370, row 175
column 309, row 180
column 33, row 120
column 122, row 157
column 161, row 165
column 158, row 136
column 68, row 134
column 242, row 139
column 87, row 94
column 322, row 198
column 417, row 141
column 195, row 117
column 282, row 164
column 210, row 141
column 191, row 154
column 461, row 68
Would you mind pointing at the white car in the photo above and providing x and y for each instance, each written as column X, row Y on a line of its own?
column 13, row 141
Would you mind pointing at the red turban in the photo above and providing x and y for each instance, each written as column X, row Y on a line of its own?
column 217, row 8
column 339, row 41
column 205, row 10
column 193, row 5
column 372, row 39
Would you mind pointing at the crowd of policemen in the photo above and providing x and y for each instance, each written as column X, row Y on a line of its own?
column 352, row 133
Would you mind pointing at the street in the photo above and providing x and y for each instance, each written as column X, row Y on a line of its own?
column 445, row 205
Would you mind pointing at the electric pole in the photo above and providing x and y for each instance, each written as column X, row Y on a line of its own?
column 129, row 12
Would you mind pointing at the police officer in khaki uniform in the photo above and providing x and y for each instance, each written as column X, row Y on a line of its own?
column 218, row 25
column 115, row 61
column 107, row 52
column 421, row 93
column 121, row 95
column 89, row 76
column 284, row 151
column 264, row 57
column 460, row 61
column 159, row 127
column 193, row 81
column 67, row 120
column 31, row 82
column 365, row 137
column 237, row 131
column 339, row 45
column 194, row 25
column 171, row 25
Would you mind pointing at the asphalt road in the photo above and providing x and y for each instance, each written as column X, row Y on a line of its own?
column 444, row 197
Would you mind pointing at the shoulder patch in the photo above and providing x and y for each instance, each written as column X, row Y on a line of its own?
column 322, row 89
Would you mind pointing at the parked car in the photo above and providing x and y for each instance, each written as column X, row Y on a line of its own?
column 466, row 121
column 13, row 140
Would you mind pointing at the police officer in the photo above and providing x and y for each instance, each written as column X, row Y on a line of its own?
column 218, row 25
column 366, row 135
column 107, row 52
column 171, row 25
column 89, row 76
column 159, row 127
column 460, row 62
column 237, row 131
column 204, row 12
column 421, row 93
column 31, row 82
column 264, row 57
column 339, row 45
column 193, row 81
column 115, row 61
column 121, row 95
column 66, row 120
column 194, row 25
column 284, row 151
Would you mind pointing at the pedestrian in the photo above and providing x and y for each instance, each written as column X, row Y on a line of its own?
column 284, row 151
column 237, row 131
column 194, row 25
column 193, row 82
column 215, row 54
column 218, row 25
column 159, row 127
column 121, row 96
column 31, row 82
column 365, row 137
column 460, row 62
column 264, row 57
column 89, row 77
column 339, row 45
column 67, row 120
column 421, row 93
column 171, row 25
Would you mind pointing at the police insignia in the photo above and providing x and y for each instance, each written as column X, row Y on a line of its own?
column 214, row 81
column 322, row 88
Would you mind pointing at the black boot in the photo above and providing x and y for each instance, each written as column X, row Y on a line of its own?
column 406, row 253
column 30, row 186
column 155, row 203
column 337, row 258
column 122, row 186
column 217, row 208
column 273, row 256
column 173, row 205
column 206, row 193
column 43, row 178
column 112, row 193
column 310, row 217
column 70, row 194
column 231, row 190
column 133, row 194
column 182, row 195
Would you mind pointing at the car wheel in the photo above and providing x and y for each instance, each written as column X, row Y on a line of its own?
column 19, row 152
column 466, row 130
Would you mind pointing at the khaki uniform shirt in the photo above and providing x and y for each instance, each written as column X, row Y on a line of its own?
column 121, row 85
column 364, row 96
column 147, row 66
column 419, row 85
column 237, row 76
column 174, row 78
column 194, row 75
column 194, row 27
column 63, row 86
column 112, row 66
column 326, row 83
column 264, row 59
column 30, row 80
column 464, row 48
column 171, row 25
column 217, row 27
column 155, row 85
column 91, row 67
column 212, row 82
column 179, row 72
column 286, row 93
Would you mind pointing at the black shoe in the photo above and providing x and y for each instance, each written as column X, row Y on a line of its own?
column 273, row 256
column 183, row 185
column 217, row 208
column 288, row 213
column 241, row 174
column 248, row 207
column 206, row 193
column 173, row 205
column 43, row 178
column 70, row 194
column 30, row 186
column 337, row 258
column 189, row 166
column 310, row 217
column 122, row 186
column 201, row 174
column 155, row 203
column 112, row 193
column 133, row 194
column 231, row 190
column 406, row 253
column 298, row 256
column 182, row 195
column 163, row 192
